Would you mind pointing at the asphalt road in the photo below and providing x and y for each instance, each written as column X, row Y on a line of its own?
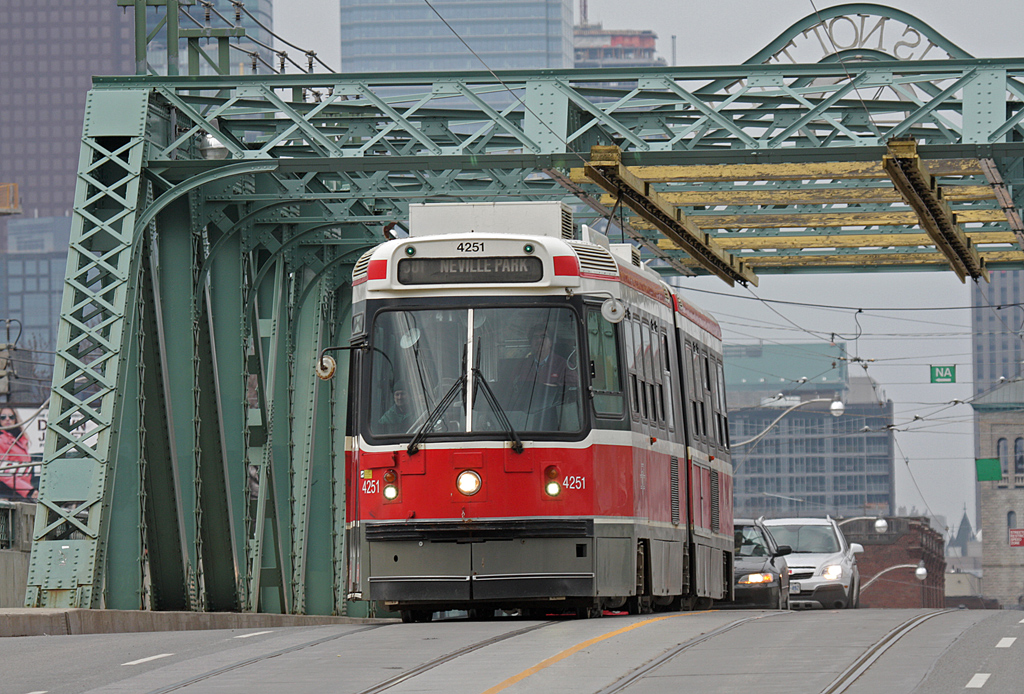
column 855, row 651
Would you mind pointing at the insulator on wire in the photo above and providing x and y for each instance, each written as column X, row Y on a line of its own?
column 310, row 55
column 282, row 56
column 254, row 65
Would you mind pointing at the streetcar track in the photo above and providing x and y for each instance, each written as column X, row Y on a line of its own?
column 866, row 659
column 652, row 665
column 441, row 660
column 259, row 658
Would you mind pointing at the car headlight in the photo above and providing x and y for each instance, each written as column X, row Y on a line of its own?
column 758, row 578
column 833, row 572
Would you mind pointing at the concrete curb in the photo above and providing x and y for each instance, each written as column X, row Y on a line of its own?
column 27, row 621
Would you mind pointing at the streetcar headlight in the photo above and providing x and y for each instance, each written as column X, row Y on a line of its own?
column 833, row 572
column 390, row 492
column 468, row 482
column 552, row 486
column 750, row 579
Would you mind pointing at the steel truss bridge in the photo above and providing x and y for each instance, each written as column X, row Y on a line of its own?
column 192, row 460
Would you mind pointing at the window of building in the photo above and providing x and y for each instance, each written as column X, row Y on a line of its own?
column 1003, row 453
column 1018, row 456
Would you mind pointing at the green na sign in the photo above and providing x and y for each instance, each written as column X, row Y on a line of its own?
column 944, row 374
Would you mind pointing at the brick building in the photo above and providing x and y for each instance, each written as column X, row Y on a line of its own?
column 907, row 541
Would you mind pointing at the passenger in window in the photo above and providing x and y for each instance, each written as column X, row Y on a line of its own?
column 15, row 480
column 398, row 418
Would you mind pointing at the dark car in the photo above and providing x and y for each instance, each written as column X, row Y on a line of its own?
column 760, row 572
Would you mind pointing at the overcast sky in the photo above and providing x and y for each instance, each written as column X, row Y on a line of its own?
column 937, row 452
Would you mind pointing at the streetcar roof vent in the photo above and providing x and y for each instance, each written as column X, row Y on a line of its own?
column 567, row 230
column 594, row 259
column 627, row 252
column 543, row 218
column 360, row 267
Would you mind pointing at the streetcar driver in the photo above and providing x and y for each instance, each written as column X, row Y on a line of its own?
column 542, row 381
column 546, row 366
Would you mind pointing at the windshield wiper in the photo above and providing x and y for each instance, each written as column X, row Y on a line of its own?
column 517, row 443
column 442, row 405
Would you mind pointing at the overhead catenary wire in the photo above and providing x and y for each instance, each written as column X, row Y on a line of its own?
column 267, row 29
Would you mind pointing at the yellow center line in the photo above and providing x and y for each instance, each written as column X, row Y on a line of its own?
column 576, row 649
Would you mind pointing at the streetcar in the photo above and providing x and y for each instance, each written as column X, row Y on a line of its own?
column 537, row 423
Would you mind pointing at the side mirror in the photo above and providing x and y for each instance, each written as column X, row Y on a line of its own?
column 782, row 550
column 856, row 548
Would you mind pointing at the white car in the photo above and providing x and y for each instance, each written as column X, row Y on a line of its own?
column 822, row 567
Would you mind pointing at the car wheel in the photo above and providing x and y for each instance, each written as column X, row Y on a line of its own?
column 853, row 598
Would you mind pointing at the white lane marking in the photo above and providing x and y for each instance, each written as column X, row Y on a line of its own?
column 146, row 660
column 1006, row 643
column 43, row 691
column 978, row 681
column 255, row 633
column 1021, row 622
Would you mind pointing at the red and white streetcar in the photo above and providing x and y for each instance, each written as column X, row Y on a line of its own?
column 538, row 423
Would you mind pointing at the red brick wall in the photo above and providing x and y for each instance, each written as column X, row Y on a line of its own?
column 908, row 541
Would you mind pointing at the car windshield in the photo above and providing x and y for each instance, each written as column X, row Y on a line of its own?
column 807, row 539
column 750, row 542
column 528, row 359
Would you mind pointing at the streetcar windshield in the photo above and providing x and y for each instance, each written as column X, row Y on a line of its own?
column 436, row 364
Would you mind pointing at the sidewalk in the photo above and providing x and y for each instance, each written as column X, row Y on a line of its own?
column 27, row 621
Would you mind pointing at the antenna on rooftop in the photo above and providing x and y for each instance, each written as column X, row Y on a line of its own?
column 583, row 13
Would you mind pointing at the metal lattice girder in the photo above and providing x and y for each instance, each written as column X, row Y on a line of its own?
column 68, row 550
column 661, row 109
column 606, row 170
column 919, row 188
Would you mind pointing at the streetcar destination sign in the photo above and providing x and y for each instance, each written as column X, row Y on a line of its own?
column 467, row 270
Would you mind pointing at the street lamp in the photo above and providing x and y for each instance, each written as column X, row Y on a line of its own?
column 836, row 409
column 920, row 573
column 881, row 525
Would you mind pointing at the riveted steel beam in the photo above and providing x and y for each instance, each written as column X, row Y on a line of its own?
column 606, row 170
column 836, row 218
column 920, row 190
column 849, row 240
column 795, row 171
column 809, row 196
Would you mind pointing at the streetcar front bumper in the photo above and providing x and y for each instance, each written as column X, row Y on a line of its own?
column 463, row 564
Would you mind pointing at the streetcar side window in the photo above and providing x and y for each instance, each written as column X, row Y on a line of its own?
column 665, row 392
column 630, row 347
column 605, row 380
column 723, row 411
column 648, row 401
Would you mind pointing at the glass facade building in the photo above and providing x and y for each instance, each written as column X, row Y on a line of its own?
column 810, row 463
column 407, row 36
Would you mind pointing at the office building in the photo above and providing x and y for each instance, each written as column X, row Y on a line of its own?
column 809, row 463
column 406, row 36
